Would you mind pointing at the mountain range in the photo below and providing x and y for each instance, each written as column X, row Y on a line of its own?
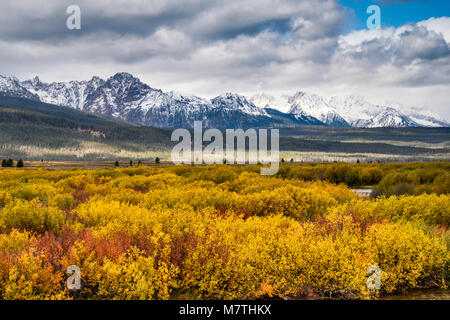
column 125, row 97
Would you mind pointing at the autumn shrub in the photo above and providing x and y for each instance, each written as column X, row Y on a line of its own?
column 432, row 208
column 30, row 191
column 30, row 278
column 63, row 201
column 406, row 256
column 276, row 257
column 5, row 198
column 33, row 216
column 136, row 277
column 223, row 232
column 75, row 182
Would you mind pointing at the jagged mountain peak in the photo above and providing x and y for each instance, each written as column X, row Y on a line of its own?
column 359, row 112
column 124, row 76
column 11, row 86
column 232, row 96
column 235, row 101
column 304, row 104
column 125, row 96
column 304, row 95
column 35, row 81
column 96, row 80
column 264, row 100
column 230, row 100
column 126, row 80
column 420, row 115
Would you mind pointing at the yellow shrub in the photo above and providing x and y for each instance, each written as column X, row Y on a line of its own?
column 41, row 191
column 135, row 277
column 430, row 208
column 221, row 232
column 32, row 216
column 63, row 201
column 75, row 182
column 15, row 241
column 406, row 256
column 5, row 198
column 31, row 279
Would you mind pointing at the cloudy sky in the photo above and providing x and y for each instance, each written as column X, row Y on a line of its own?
column 207, row 47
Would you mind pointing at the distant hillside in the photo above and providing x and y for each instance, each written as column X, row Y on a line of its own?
column 27, row 126
column 414, row 134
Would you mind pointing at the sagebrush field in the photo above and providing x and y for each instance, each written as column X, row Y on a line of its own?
column 223, row 232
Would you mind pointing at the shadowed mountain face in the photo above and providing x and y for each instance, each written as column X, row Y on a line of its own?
column 125, row 97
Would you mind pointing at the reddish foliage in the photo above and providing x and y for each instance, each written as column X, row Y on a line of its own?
column 112, row 247
column 55, row 247
column 222, row 211
column 181, row 246
column 80, row 196
column 144, row 242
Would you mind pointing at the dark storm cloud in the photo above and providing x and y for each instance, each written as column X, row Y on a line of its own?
column 420, row 43
column 44, row 20
column 208, row 20
column 409, row 45
column 174, row 28
column 282, row 26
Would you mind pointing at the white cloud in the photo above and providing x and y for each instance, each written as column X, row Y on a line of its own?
column 208, row 47
column 439, row 25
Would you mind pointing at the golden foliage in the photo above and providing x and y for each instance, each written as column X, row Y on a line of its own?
column 217, row 232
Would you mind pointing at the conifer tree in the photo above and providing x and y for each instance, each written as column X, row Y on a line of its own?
column 20, row 163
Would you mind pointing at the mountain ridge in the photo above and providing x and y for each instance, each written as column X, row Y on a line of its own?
column 125, row 97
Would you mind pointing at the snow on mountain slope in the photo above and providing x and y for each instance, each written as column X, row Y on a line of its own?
column 355, row 110
column 304, row 104
column 11, row 87
column 126, row 97
column 233, row 101
column 263, row 100
column 351, row 110
column 72, row 94
column 358, row 112
column 425, row 118
column 421, row 116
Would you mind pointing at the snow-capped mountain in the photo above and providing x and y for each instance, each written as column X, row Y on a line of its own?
column 73, row 94
column 352, row 110
column 421, row 116
column 126, row 97
column 303, row 104
column 360, row 113
column 11, row 87
column 231, row 101
column 264, row 100
column 425, row 118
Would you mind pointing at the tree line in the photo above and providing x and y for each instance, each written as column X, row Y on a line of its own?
column 9, row 163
